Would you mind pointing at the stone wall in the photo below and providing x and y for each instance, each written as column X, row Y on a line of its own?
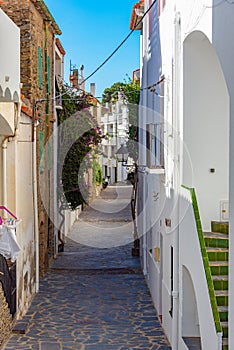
column 6, row 321
column 37, row 29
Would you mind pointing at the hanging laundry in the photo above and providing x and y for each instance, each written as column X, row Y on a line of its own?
column 9, row 246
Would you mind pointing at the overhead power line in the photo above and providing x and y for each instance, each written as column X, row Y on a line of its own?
column 121, row 44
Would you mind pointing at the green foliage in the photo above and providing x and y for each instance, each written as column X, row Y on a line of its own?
column 97, row 172
column 131, row 92
column 79, row 134
column 111, row 94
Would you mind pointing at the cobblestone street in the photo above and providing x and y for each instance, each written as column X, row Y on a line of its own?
column 95, row 296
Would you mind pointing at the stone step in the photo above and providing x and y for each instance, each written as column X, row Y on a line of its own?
column 216, row 240
column 220, row 282
column 220, row 226
column 221, row 297
column 224, row 325
column 217, row 254
column 219, row 267
column 225, row 344
column 223, row 313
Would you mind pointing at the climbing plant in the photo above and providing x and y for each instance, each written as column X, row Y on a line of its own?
column 79, row 135
column 97, row 172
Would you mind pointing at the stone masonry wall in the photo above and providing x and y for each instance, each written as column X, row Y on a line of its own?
column 6, row 321
column 37, row 31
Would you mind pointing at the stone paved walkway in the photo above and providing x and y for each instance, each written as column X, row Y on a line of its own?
column 92, row 299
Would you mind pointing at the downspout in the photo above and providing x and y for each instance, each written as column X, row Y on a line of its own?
column 35, row 205
column 176, row 108
column 142, row 140
column 4, row 174
column 55, row 161
column 145, row 269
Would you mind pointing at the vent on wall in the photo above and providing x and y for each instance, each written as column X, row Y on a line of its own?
column 224, row 210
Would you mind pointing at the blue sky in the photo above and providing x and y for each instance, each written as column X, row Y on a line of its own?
column 91, row 30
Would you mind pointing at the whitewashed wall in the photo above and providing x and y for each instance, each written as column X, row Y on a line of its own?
column 9, row 59
column 205, row 106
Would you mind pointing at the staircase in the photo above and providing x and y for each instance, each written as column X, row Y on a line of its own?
column 217, row 249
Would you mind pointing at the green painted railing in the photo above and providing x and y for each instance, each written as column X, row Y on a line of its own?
column 205, row 258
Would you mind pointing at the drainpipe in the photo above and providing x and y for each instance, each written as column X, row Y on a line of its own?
column 55, row 164
column 142, row 139
column 35, row 206
column 176, row 107
column 4, row 174
column 145, row 258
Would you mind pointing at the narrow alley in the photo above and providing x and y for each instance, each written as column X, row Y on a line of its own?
column 95, row 296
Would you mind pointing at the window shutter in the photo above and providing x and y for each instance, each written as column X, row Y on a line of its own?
column 39, row 67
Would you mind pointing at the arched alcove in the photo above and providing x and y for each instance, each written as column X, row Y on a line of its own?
column 190, row 323
column 205, row 125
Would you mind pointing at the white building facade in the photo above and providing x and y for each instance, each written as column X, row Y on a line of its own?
column 185, row 142
column 114, row 124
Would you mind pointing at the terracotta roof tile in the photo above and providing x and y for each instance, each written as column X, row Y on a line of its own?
column 134, row 17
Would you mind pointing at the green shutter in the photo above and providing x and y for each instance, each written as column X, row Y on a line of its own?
column 42, row 166
column 48, row 74
column 39, row 67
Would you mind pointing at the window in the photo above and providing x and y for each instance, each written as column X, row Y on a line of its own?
column 39, row 67
column 155, row 145
column 110, row 129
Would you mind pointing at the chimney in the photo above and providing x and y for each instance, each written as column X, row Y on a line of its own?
column 92, row 89
column 82, row 84
column 75, row 78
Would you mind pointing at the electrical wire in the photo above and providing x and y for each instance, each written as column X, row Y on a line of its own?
column 230, row 2
column 107, row 59
column 121, row 44
column 150, row 87
column 204, row 8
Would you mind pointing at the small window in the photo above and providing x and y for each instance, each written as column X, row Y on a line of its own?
column 155, row 145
